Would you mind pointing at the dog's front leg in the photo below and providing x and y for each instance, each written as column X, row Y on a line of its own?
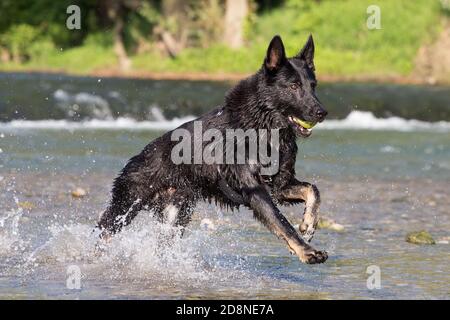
column 309, row 194
column 265, row 211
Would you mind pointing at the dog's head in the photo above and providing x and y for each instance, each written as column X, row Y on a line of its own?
column 290, row 86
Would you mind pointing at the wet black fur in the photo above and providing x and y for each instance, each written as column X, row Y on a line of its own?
column 282, row 87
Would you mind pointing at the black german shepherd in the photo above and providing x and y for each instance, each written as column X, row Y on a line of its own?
column 280, row 96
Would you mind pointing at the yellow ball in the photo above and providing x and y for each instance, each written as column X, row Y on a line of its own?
column 305, row 124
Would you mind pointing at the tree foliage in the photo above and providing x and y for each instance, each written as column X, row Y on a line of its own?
column 138, row 24
column 191, row 35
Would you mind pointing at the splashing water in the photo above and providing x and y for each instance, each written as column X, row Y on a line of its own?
column 10, row 240
column 145, row 252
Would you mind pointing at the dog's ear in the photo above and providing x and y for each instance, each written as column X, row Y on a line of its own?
column 275, row 56
column 307, row 53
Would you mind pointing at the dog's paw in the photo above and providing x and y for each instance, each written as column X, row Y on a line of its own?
column 312, row 256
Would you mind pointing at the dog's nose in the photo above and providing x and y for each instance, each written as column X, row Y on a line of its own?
column 321, row 113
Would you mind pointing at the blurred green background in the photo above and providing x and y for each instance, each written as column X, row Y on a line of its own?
column 146, row 37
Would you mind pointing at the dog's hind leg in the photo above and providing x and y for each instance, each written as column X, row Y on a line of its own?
column 309, row 194
column 127, row 200
column 114, row 218
column 118, row 215
column 179, row 208
column 174, row 210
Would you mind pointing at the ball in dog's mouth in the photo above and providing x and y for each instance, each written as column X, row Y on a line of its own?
column 303, row 128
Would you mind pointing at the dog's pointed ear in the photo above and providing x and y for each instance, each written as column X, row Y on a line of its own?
column 307, row 53
column 276, row 55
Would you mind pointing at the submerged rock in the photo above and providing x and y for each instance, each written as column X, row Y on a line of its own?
column 27, row 205
column 79, row 193
column 420, row 237
column 326, row 223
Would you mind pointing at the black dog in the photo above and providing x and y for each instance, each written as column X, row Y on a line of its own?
column 280, row 96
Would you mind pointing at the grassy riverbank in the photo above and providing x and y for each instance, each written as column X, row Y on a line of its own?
column 345, row 47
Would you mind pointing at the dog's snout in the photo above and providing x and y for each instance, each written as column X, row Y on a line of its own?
column 321, row 113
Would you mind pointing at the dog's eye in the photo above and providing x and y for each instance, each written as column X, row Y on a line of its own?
column 295, row 86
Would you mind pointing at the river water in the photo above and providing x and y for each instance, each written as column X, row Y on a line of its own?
column 381, row 161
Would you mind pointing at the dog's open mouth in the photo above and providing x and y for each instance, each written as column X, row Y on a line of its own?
column 302, row 127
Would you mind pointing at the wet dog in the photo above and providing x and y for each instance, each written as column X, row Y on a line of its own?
column 279, row 98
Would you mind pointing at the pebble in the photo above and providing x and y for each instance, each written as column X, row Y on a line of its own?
column 27, row 205
column 326, row 223
column 79, row 193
